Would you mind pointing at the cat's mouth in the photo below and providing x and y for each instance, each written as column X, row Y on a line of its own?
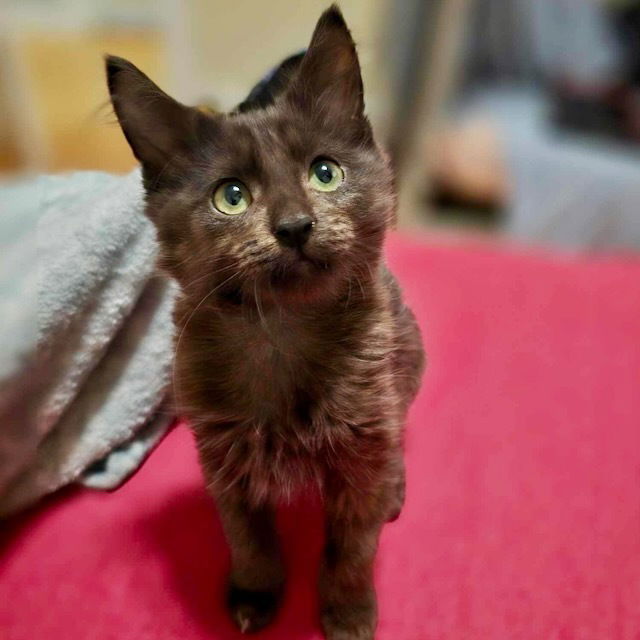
column 300, row 273
column 299, row 270
column 321, row 265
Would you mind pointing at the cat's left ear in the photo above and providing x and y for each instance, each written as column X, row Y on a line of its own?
column 328, row 82
column 158, row 128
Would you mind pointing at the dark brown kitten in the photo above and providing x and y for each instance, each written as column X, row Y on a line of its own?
column 296, row 359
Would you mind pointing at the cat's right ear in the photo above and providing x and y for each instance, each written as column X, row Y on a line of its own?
column 328, row 83
column 157, row 127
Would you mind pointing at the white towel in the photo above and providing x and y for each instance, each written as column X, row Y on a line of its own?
column 86, row 340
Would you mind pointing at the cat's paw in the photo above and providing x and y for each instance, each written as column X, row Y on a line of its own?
column 349, row 624
column 252, row 610
column 339, row 632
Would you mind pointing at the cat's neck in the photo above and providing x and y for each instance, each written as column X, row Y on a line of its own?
column 251, row 360
column 267, row 319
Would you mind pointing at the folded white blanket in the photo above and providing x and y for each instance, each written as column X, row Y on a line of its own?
column 86, row 340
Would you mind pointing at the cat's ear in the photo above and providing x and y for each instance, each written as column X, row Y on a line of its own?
column 328, row 80
column 157, row 127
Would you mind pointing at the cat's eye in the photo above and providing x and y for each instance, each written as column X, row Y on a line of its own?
column 231, row 198
column 325, row 175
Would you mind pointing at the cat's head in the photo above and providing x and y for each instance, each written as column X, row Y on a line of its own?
column 290, row 197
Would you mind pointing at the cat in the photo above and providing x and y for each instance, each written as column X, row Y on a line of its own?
column 296, row 359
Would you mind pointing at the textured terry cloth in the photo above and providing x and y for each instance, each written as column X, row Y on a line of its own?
column 86, row 340
column 522, row 519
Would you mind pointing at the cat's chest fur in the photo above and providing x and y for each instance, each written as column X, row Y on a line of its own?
column 276, row 400
column 273, row 362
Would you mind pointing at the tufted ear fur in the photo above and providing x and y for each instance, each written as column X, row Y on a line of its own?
column 328, row 82
column 157, row 127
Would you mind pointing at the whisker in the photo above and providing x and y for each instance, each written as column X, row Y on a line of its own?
column 175, row 356
column 209, row 274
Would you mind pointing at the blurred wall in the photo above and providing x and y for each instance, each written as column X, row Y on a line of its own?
column 235, row 42
column 53, row 99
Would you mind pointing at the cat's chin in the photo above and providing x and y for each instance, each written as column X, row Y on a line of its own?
column 292, row 281
column 303, row 287
column 302, row 270
column 303, row 280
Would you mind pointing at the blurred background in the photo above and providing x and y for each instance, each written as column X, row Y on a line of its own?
column 514, row 117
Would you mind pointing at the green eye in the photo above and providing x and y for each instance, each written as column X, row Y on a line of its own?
column 232, row 198
column 325, row 175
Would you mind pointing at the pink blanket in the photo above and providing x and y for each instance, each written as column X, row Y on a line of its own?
column 523, row 508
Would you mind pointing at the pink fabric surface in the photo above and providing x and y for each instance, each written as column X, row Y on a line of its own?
column 522, row 518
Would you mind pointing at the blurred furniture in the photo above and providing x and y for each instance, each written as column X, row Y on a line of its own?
column 522, row 517
column 544, row 121
column 427, row 37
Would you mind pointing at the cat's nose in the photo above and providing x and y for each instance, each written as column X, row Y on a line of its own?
column 294, row 232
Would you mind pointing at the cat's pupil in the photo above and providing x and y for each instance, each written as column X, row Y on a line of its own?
column 233, row 194
column 323, row 173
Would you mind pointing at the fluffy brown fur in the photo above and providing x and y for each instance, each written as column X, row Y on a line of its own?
column 294, row 364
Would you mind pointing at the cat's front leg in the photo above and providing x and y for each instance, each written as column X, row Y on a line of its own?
column 256, row 581
column 347, row 594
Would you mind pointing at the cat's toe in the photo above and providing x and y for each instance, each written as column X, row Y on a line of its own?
column 252, row 610
column 363, row 632
column 349, row 625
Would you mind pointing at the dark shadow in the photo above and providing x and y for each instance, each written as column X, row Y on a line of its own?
column 11, row 528
column 188, row 532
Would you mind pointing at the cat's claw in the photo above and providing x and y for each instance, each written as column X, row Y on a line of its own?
column 252, row 610
column 243, row 622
